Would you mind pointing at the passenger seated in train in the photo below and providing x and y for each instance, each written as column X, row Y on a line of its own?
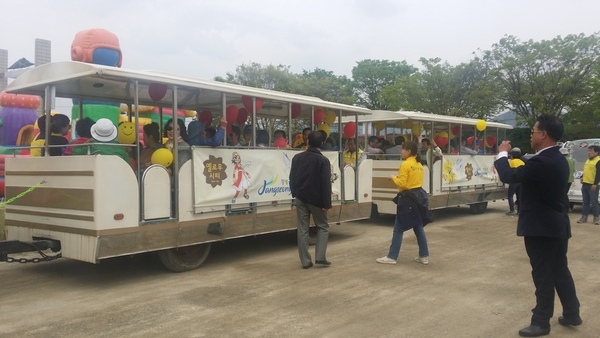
column 395, row 152
column 233, row 139
column 183, row 154
column 83, row 131
column 324, row 144
column 40, row 139
column 373, row 148
column 429, row 151
column 151, row 143
column 103, row 132
column 196, row 134
column 262, row 138
column 352, row 152
column 60, row 125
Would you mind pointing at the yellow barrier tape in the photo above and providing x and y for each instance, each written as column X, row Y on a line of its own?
column 21, row 194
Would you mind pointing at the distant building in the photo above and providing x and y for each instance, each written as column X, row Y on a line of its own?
column 43, row 54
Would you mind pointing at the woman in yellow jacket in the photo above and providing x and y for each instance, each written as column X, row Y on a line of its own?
column 409, row 181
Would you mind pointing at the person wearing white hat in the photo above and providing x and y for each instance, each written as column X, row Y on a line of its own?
column 103, row 131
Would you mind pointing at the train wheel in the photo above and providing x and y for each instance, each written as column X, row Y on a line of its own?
column 478, row 208
column 185, row 258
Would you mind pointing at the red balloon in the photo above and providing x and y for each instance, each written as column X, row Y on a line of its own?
column 206, row 117
column 490, row 141
column 242, row 116
column 441, row 141
column 231, row 114
column 280, row 142
column 299, row 136
column 455, row 130
column 157, row 91
column 349, row 129
column 319, row 116
column 247, row 101
column 470, row 139
column 296, row 110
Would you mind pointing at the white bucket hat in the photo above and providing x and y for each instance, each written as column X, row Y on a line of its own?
column 104, row 130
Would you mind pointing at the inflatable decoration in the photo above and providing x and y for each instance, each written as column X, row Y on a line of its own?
column 296, row 110
column 247, row 101
column 231, row 114
column 162, row 156
column 157, row 91
column 480, row 125
column 379, row 125
column 349, row 129
column 97, row 46
column 330, row 117
column 242, row 116
column 280, row 142
column 319, row 115
column 17, row 119
column 126, row 132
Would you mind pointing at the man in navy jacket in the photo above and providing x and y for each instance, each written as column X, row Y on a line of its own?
column 310, row 183
column 544, row 223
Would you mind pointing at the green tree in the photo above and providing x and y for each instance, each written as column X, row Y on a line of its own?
column 465, row 90
column 369, row 77
column 325, row 85
column 548, row 76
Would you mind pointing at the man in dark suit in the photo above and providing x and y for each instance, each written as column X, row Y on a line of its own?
column 544, row 223
column 310, row 183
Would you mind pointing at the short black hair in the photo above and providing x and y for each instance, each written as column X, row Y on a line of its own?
column 314, row 139
column 552, row 125
column 83, row 127
column 595, row 147
column 399, row 140
column 235, row 130
column 279, row 131
column 152, row 130
column 426, row 140
column 373, row 138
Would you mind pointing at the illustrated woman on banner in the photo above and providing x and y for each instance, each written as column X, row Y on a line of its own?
column 241, row 178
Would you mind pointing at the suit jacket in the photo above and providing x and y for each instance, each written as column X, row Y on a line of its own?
column 543, row 204
column 310, row 178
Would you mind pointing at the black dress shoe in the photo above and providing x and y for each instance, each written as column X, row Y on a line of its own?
column 325, row 262
column 569, row 321
column 310, row 265
column 534, row 331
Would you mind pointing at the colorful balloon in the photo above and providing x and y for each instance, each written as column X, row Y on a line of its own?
column 441, row 141
column 157, row 91
column 231, row 114
column 296, row 110
column 206, row 117
column 490, row 141
column 319, row 116
column 247, row 101
column 480, row 125
column 126, row 132
column 417, row 129
column 280, row 142
column 162, row 156
column 242, row 116
column 329, row 117
column 324, row 128
column 379, row 125
column 443, row 133
column 349, row 129
column 470, row 140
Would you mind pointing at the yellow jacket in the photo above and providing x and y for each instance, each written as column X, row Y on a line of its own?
column 410, row 175
column 590, row 171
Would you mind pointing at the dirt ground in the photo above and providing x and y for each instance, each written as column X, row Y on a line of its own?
column 477, row 284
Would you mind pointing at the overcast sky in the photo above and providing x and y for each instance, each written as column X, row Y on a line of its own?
column 206, row 38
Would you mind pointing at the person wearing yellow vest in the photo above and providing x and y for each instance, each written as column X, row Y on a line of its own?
column 352, row 152
column 589, row 185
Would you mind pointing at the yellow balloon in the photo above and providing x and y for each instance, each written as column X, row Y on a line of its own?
column 417, row 129
column 443, row 134
column 329, row 117
column 407, row 124
column 324, row 128
column 162, row 156
column 379, row 125
column 480, row 125
column 126, row 132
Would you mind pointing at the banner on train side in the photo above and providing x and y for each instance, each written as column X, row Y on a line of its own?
column 231, row 176
column 466, row 170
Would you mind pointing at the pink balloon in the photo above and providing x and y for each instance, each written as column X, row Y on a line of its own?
column 242, row 116
column 296, row 110
column 247, row 101
column 157, row 91
column 319, row 115
column 231, row 114
column 280, row 142
column 206, row 117
column 349, row 129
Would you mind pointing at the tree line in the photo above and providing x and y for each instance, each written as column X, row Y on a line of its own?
column 558, row 77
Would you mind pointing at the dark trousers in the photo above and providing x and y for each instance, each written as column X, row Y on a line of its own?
column 514, row 190
column 550, row 271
